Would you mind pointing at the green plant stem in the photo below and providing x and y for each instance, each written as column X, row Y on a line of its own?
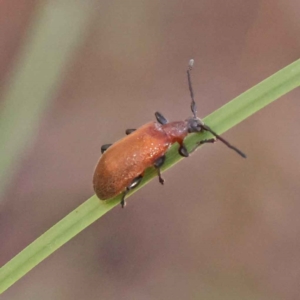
column 221, row 120
column 56, row 32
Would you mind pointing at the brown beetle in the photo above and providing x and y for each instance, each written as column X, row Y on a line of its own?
column 122, row 165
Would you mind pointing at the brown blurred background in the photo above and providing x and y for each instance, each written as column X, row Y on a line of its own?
column 221, row 227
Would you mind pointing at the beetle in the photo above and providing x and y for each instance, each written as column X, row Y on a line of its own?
column 122, row 165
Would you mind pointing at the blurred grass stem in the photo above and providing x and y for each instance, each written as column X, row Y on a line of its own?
column 54, row 36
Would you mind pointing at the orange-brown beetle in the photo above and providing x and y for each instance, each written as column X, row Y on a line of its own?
column 122, row 164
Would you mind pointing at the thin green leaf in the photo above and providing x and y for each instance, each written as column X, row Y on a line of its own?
column 221, row 120
column 56, row 32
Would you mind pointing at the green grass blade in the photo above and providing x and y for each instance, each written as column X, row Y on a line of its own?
column 56, row 32
column 52, row 239
column 221, row 120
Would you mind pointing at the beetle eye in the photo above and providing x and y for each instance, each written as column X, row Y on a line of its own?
column 198, row 127
column 194, row 125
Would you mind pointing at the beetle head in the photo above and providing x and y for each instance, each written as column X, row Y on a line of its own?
column 195, row 124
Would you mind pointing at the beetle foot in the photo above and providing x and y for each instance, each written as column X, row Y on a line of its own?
column 105, row 147
column 128, row 131
column 183, row 151
column 123, row 203
column 160, row 179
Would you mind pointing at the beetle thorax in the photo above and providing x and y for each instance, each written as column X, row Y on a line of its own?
column 176, row 131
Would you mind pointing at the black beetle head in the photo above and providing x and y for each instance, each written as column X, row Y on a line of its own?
column 195, row 124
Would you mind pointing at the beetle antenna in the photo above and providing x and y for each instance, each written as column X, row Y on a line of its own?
column 207, row 128
column 194, row 111
column 193, row 104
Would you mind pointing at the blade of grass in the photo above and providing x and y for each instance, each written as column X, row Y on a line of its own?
column 221, row 120
column 55, row 34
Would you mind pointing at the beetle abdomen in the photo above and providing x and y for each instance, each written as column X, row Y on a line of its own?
column 128, row 158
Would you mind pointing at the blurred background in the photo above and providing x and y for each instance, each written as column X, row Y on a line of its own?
column 75, row 74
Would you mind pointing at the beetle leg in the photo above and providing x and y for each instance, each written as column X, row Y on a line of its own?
column 160, row 118
column 157, row 164
column 128, row 131
column 183, row 151
column 105, row 147
column 135, row 182
column 212, row 140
